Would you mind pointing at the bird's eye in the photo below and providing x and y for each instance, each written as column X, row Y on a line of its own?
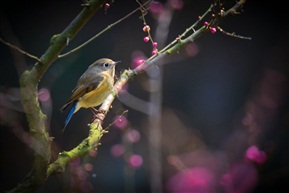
column 105, row 65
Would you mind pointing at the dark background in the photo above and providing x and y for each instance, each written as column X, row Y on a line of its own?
column 209, row 92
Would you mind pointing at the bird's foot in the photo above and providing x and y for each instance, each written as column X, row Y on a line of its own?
column 96, row 112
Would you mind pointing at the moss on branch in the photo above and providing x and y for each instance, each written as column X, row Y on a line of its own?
column 87, row 145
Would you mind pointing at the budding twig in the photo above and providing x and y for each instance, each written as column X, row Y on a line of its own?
column 188, row 30
column 233, row 34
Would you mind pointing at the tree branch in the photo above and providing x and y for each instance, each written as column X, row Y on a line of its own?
column 59, row 41
column 88, row 144
column 29, row 98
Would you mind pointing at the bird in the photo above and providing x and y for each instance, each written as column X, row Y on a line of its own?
column 92, row 88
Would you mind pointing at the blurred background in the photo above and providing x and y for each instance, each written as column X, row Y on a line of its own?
column 214, row 118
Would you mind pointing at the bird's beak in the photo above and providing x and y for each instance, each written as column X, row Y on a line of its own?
column 116, row 62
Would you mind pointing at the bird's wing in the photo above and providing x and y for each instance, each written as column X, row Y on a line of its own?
column 81, row 89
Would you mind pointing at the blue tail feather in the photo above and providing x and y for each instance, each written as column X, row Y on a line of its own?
column 69, row 115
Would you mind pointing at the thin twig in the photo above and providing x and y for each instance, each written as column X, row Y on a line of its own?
column 143, row 14
column 20, row 50
column 233, row 34
column 114, row 122
column 104, row 30
column 187, row 30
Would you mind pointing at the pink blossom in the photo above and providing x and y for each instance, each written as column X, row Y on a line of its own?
column 137, row 58
column 154, row 52
column 146, row 28
column 135, row 160
column 254, row 154
column 117, row 150
column 44, row 94
column 132, row 136
column 106, row 6
column 120, row 121
column 241, row 178
column 213, row 30
column 197, row 179
column 146, row 39
column 156, row 7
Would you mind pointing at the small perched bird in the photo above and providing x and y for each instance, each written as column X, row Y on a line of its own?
column 92, row 88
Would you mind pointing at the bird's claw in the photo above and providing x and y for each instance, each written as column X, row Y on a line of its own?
column 96, row 112
column 97, row 117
